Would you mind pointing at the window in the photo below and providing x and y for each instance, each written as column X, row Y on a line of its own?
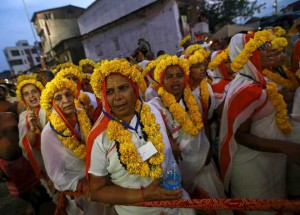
column 25, row 61
column 15, row 62
column 15, row 52
column 33, row 51
column 37, row 59
column 116, row 43
column 98, row 50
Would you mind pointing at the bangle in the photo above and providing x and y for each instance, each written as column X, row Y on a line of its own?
column 143, row 197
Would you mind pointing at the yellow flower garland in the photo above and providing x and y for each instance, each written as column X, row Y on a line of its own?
column 279, row 31
column 291, row 83
column 223, row 56
column 277, row 101
column 184, row 40
column 63, row 66
column 260, row 38
column 204, row 92
column 198, row 57
column 70, row 71
column 68, row 139
column 151, row 65
column 298, row 73
column 26, row 77
column 21, row 84
column 192, row 124
column 86, row 61
column 52, row 87
column 128, row 153
column 169, row 61
column 192, row 48
column 116, row 67
column 279, row 43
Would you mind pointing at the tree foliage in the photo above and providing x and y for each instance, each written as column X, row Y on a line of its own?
column 222, row 12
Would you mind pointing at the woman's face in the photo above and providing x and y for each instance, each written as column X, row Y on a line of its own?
column 198, row 72
column 267, row 57
column 279, row 58
column 121, row 97
column 65, row 101
column 31, row 95
column 174, row 81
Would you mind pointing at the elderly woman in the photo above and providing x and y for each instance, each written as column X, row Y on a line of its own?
column 119, row 172
column 181, row 111
column 63, row 145
column 253, row 148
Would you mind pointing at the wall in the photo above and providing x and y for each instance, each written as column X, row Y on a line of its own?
column 158, row 24
column 107, row 11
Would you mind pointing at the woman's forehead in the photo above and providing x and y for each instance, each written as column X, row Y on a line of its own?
column 115, row 79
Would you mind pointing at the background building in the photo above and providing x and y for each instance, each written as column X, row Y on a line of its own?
column 111, row 29
column 21, row 57
column 59, row 34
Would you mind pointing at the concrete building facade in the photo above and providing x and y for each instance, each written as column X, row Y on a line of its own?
column 21, row 57
column 111, row 29
column 56, row 26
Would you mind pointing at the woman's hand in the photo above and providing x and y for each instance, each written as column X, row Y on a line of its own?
column 155, row 192
column 33, row 120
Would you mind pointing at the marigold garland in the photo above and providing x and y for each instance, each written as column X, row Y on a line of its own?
column 198, row 57
column 192, row 124
column 68, row 139
column 169, row 61
column 128, row 153
column 56, row 85
column 63, row 66
column 116, row 67
column 298, row 73
column 26, row 77
column 21, row 84
column 279, row 31
column 279, row 43
column 260, row 38
column 70, row 71
column 277, row 101
column 84, row 62
column 184, row 40
column 192, row 48
column 204, row 92
column 291, row 83
column 223, row 56
column 150, row 66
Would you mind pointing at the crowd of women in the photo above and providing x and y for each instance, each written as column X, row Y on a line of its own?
column 99, row 136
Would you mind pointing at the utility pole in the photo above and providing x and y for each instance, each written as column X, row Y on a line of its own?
column 275, row 5
column 35, row 40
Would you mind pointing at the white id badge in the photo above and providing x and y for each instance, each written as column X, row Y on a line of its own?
column 147, row 150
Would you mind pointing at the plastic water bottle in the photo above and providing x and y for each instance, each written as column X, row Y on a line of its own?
column 171, row 181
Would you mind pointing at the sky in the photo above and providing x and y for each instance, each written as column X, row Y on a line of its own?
column 14, row 24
